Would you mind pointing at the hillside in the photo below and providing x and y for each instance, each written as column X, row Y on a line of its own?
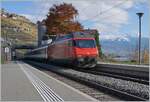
column 17, row 29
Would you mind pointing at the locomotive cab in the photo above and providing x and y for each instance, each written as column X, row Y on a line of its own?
column 85, row 50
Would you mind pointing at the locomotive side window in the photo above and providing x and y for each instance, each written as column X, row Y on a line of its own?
column 85, row 43
column 74, row 43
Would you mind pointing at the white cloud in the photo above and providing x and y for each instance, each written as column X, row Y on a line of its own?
column 87, row 9
column 33, row 18
column 108, row 16
column 118, row 37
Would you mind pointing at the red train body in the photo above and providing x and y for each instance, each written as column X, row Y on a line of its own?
column 76, row 48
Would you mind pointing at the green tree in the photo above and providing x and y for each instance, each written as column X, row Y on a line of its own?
column 98, row 44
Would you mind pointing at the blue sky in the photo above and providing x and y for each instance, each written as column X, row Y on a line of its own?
column 119, row 20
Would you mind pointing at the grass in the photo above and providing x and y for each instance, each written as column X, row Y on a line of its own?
column 2, row 60
column 121, row 62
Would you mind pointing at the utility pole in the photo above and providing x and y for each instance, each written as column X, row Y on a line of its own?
column 140, row 14
column 41, row 32
column 6, row 57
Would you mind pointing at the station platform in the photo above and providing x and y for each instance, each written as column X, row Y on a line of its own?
column 22, row 82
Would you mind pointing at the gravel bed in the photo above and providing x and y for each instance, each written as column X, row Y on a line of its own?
column 83, row 88
column 126, row 72
column 130, row 87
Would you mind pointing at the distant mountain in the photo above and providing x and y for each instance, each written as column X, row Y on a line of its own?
column 122, row 45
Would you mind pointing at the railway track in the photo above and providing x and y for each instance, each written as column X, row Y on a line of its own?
column 122, row 95
column 101, row 96
column 133, row 71
column 125, row 76
column 85, row 79
column 114, row 75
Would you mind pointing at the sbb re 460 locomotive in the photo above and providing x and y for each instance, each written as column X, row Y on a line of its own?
column 77, row 49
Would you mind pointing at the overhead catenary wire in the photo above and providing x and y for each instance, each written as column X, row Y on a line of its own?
column 100, row 13
column 131, row 10
column 105, row 11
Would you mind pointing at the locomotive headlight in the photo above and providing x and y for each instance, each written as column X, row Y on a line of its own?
column 79, row 55
column 88, row 53
column 80, row 59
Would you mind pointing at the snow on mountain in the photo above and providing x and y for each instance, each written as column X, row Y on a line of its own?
column 115, row 37
column 122, row 45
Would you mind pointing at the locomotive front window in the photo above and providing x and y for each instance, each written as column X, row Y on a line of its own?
column 85, row 43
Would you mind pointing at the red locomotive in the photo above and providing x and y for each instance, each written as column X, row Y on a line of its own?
column 78, row 49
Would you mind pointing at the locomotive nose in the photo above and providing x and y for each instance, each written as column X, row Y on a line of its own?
column 82, row 52
column 88, row 53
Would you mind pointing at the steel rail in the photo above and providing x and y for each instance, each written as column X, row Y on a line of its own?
column 114, row 92
column 124, row 77
column 134, row 71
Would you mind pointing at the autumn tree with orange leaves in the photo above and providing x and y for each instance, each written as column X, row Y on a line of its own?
column 61, row 19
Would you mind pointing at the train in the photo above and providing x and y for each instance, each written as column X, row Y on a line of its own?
column 77, row 49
